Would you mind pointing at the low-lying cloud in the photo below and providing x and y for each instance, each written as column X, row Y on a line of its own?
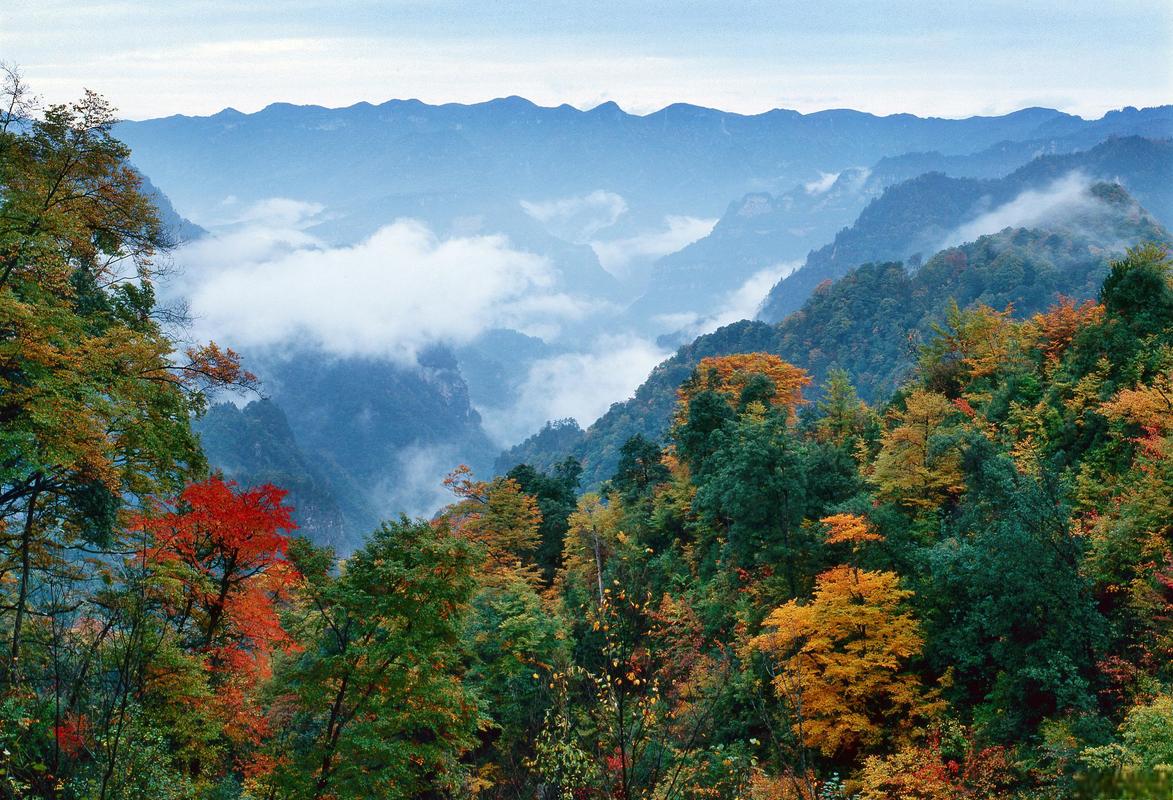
column 415, row 484
column 1034, row 207
column 391, row 295
column 744, row 302
column 580, row 217
column 821, row 184
column 679, row 232
column 582, row 385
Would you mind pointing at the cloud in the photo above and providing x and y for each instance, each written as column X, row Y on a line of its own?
column 582, row 385
column 680, row 232
column 1030, row 209
column 824, row 182
column 274, row 212
column 270, row 284
column 580, row 217
column 415, row 486
column 744, row 302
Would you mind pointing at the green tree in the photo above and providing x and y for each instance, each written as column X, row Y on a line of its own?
column 374, row 705
column 1007, row 608
column 557, row 495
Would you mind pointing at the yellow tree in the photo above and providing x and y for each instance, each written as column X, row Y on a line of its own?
column 841, row 660
column 729, row 376
column 912, row 469
column 1054, row 330
column 500, row 517
column 972, row 344
column 592, row 539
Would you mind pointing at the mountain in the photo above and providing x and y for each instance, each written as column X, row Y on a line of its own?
column 369, row 438
column 367, row 164
column 562, row 184
column 545, row 449
column 177, row 228
column 495, row 363
column 404, row 147
column 915, row 218
column 773, row 233
column 255, row 445
column 869, row 321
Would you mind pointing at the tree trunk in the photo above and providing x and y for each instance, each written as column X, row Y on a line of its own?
column 26, row 537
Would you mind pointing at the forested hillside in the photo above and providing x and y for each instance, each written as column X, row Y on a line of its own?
column 870, row 321
column 763, row 232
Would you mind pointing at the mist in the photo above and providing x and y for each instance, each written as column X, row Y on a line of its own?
column 578, row 218
column 263, row 282
column 616, row 255
column 1032, row 208
column 581, row 385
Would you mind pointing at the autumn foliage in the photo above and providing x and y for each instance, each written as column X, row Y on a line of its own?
column 729, row 376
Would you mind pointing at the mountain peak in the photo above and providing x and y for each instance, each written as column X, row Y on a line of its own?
column 606, row 107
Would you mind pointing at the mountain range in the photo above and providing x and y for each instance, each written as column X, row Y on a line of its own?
column 660, row 227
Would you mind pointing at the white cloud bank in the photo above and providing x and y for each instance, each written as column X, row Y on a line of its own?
column 1031, row 208
column 580, row 217
column 266, row 283
column 680, row 231
column 820, row 185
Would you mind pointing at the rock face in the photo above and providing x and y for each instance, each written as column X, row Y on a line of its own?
column 354, row 440
column 255, row 445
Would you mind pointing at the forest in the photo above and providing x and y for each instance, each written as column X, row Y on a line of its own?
column 962, row 591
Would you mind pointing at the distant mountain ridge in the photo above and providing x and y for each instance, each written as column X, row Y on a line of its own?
column 368, row 162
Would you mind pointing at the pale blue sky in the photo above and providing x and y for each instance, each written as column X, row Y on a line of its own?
column 941, row 58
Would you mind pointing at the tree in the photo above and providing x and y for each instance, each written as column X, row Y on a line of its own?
column 1008, row 610
column 729, row 376
column 226, row 546
column 754, row 490
column 842, row 661
column 94, row 408
column 843, row 418
column 918, row 465
column 96, row 398
column 514, row 644
column 556, row 495
column 641, row 468
column 220, row 553
column 373, row 705
column 964, row 352
column 501, row 518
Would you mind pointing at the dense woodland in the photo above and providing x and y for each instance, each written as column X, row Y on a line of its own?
column 965, row 592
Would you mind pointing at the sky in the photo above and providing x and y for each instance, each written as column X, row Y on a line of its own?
column 928, row 57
